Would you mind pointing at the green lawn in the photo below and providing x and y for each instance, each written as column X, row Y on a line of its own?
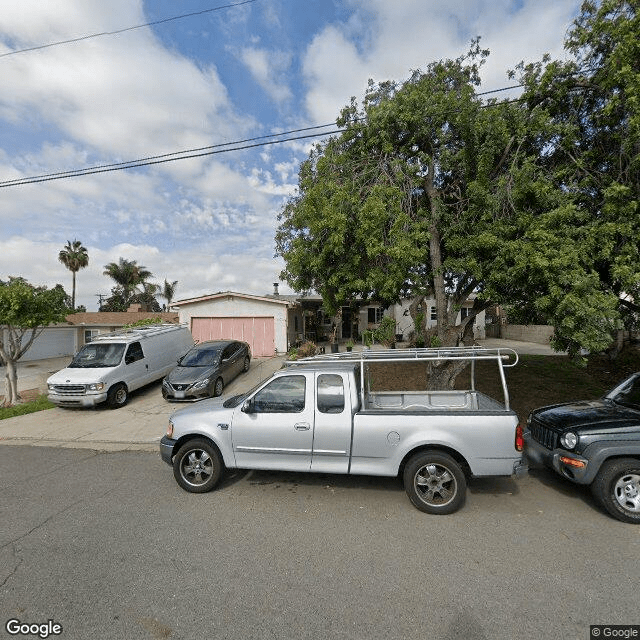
column 39, row 404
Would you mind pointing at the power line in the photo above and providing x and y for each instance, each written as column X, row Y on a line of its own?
column 147, row 162
column 238, row 145
column 118, row 31
column 169, row 157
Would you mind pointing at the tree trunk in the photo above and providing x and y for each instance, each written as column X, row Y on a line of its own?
column 11, row 384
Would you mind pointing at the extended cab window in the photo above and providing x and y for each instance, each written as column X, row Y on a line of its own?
column 282, row 395
column 134, row 353
column 330, row 393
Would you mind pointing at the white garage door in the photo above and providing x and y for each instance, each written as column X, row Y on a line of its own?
column 259, row 332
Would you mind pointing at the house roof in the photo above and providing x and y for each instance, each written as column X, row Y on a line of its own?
column 231, row 294
column 116, row 318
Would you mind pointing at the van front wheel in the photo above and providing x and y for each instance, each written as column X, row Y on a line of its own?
column 118, row 396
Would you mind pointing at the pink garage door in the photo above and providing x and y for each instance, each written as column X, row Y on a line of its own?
column 258, row 332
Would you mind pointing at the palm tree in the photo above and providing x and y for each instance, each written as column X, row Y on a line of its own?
column 128, row 275
column 169, row 291
column 75, row 257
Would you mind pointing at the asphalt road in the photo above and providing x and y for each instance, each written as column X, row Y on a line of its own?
column 108, row 546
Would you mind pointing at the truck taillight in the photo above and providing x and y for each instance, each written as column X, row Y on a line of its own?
column 519, row 438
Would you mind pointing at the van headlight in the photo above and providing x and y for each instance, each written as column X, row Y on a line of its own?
column 96, row 386
column 569, row 440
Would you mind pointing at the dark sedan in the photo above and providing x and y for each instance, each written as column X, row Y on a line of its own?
column 205, row 370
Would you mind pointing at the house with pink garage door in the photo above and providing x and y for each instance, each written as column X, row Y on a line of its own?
column 259, row 320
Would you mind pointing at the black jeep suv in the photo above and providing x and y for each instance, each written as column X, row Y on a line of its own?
column 595, row 443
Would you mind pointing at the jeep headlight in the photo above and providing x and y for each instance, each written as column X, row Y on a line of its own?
column 96, row 386
column 569, row 440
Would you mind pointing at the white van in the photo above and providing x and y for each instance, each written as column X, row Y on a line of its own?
column 112, row 365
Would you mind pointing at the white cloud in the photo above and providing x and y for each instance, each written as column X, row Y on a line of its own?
column 386, row 40
column 268, row 69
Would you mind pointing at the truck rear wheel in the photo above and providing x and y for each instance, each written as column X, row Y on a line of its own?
column 617, row 489
column 198, row 466
column 435, row 482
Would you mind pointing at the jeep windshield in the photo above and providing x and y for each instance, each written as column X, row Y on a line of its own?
column 93, row 356
column 628, row 393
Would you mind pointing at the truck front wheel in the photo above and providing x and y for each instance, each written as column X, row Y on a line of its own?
column 198, row 466
column 617, row 489
column 435, row 482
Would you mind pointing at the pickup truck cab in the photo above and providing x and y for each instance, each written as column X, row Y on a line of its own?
column 319, row 415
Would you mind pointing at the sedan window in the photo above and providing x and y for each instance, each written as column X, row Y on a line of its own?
column 201, row 358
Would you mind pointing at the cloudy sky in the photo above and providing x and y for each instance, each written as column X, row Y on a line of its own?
column 227, row 74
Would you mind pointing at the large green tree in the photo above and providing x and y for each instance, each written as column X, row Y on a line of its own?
column 431, row 190
column 594, row 101
column 74, row 257
column 25, row 310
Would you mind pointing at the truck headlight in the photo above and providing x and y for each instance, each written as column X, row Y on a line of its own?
column 569, row 440
column 96, row 386
column 51, row 387
column 170, row 430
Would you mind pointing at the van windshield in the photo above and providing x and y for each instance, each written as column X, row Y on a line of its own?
column 94, row 355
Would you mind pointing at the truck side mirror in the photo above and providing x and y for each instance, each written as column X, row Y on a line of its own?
column 247, row 407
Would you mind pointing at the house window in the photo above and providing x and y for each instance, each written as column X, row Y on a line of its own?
column 375, row 315
column 90, row 334
column 434, row 313
column 464, row 313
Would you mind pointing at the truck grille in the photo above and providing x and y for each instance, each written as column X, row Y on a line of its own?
column 543, row 435
column 69, row 389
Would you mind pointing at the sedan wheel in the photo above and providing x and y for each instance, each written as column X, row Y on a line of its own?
column 218, row 387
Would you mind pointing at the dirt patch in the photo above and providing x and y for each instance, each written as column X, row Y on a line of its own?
column 29, row 395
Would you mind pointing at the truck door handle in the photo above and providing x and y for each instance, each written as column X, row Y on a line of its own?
column 302, row 426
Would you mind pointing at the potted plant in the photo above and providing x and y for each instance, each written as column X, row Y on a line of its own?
column 350, row 344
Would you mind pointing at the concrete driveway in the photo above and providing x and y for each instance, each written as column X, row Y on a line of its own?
column 139, row 425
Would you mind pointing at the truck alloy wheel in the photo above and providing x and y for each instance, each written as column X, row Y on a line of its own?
column 617, row 489
column 435, row 482
column 197, row 467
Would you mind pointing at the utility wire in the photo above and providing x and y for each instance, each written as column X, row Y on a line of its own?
column 139, row 26
column 150, row 161
column 211, row 149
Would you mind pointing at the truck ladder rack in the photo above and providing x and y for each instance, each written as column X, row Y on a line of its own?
column 503, row 357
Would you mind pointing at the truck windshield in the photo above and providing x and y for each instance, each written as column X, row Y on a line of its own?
column 95, row 355
column 628, row 393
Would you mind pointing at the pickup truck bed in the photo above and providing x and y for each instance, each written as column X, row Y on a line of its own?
column 430, row 401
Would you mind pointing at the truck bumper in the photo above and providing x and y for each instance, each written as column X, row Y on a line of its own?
column 567, row 464
column 166, row 449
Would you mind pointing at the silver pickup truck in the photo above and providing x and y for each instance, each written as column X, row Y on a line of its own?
column 320, row 415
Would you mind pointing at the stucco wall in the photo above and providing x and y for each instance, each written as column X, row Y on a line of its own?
column 538, row 333
column 236, row 307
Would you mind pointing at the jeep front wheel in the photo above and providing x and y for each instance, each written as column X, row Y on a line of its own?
column 617, row 489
